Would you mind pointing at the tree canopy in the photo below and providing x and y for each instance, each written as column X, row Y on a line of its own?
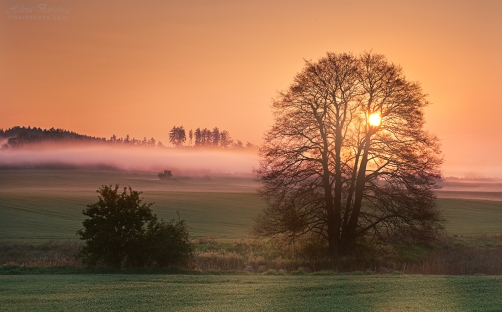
column 326, row 171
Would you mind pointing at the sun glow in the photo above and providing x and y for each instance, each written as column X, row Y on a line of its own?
column 375, row 120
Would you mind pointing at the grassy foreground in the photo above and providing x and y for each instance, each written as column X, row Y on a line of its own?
column 250, row 293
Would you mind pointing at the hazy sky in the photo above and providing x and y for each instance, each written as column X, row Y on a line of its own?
column 139, row 68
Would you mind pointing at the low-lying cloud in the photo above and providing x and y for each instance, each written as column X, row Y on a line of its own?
column 132, row 158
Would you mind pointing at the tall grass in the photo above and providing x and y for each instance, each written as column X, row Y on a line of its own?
column 462, row 256
column 48, row 254
column 450, row 256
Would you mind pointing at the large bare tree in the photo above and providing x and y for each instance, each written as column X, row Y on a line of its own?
column 347, row 156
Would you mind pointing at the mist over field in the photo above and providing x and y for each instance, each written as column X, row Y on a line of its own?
column 131, row 159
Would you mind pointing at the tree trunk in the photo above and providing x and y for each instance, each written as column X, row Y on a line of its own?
column 333, row 239
column 350, row 235
column 337, row 203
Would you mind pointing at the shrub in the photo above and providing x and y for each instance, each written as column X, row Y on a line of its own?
column 298, row 272
column 281, row 272
column 168, row 243
column 166, row 175
column 122, row 232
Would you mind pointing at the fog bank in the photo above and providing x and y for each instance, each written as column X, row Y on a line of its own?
column 132, row 158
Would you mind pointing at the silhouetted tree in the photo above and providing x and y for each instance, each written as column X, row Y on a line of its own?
column 250, row 145
column 206, row 136
column 225, row 139
column 203, row 140
column 151, row 142
column 209, row 137
column 238, row 144
column 327, row 171
column 190, row 136
column 216, row 136
column 198, row 137
column 177, row 136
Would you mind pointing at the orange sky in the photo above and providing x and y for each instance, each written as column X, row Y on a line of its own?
column 137, row 68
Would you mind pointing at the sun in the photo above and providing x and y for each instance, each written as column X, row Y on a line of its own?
column 375, row 120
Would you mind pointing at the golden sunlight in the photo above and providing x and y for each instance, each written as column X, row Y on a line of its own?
column 375, row 120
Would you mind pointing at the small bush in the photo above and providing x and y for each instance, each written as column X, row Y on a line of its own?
column 168, row 244
column 166, row 175
column 357, row 273
column 298, row 272
column 270, row 272
column 368, row 272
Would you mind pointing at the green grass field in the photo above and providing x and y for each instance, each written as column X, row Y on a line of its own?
column 250, row 293
column 55, row 215
column 47, row 204
column 471, row 217
column 43, row 205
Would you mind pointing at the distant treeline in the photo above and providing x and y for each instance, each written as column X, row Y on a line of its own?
column 21, row 136
column 205, row 137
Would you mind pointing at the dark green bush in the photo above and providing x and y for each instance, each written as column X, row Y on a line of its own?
column 168, row 243
column 120, row 232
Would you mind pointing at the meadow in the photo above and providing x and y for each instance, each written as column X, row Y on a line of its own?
column 250, row 293
column 43, row 205
column 47, row 205
column 40, row 211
